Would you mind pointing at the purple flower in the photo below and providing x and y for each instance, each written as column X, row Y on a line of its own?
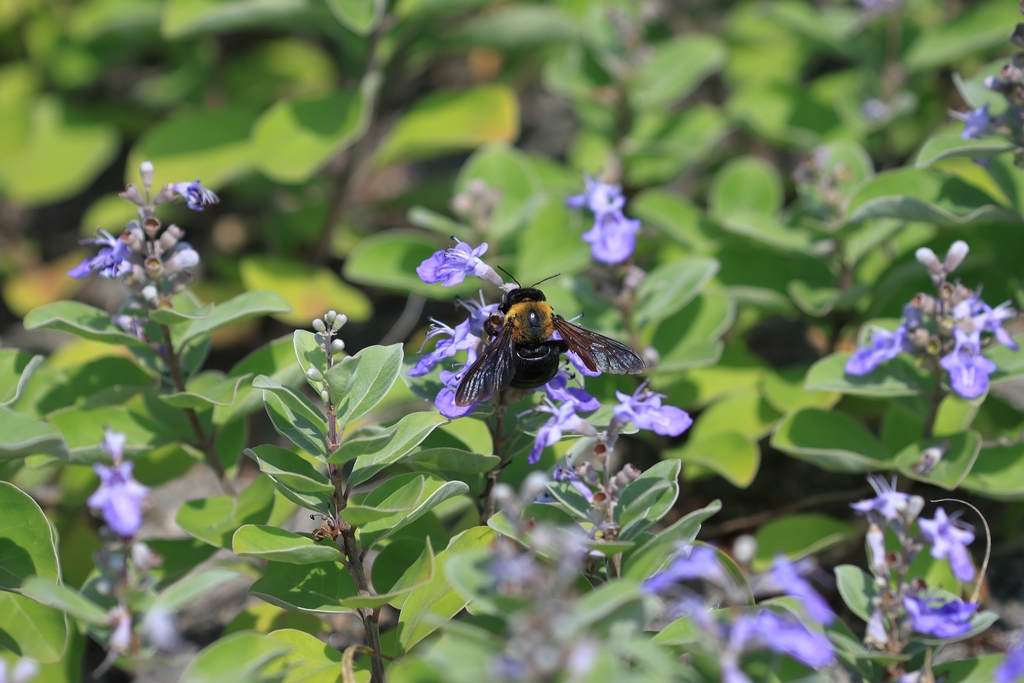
column 563, row 419
column 568, row 475
column 889, row 504
column 613, row 237
column 1012, row 668
column 949, row 537
column 600, row 198
column 701, row 562
column 196, row 196
column 968, row 369
column 941, row 620
column 976, row 121
column 458, row 339
column 113, row 444
column 789, row 579
column 645, row 411
column 885, row 346
column 779, row 634
column 112, row 261
column 119, row 497
column 989, row 319
column 450, row 266
column 479, row 312
column 557, row 390
column 445, row 399
column 577, row 362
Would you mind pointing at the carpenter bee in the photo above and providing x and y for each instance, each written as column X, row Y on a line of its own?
column 522, row 353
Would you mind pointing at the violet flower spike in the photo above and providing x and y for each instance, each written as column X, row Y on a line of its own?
column 788, row 578
column 889, row 505
column 949, row 538
column 563, row 419
column 692, row 563
column 557, row 390
column 119, row 496
column 968, row 369
column 112, row 261
column 989, row 319
column 458, row 339
column 976, row 121
column 941, row 620
column 779, row 634
column 645, row 411
column 612, row 239
column 479, row 312
column 884, row 346
column 445, row 399
column 600, row 198
column 1012, row 668
column 195, row 195
column 450, row 266
column 567, row 475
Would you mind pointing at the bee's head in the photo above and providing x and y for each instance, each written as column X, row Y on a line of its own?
column 521, row 294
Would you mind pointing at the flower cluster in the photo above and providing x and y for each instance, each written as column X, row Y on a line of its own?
column 119, row 497
column 613, row 236
column 904, row 606
column 1010, row 84
column 731, row 635
column 945, row 328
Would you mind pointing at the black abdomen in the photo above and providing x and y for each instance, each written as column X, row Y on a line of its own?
column 536, row 364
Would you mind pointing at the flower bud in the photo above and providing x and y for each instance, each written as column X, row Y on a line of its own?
column 318, row 325
column 314, row 375
column 171, row 237
column 144, row 558
column 131, row 193
column 154, row 268
column 924, row 303
column 184, row 257
column 151, row 225
column 337, row 346
column 744, row 548
column 103, row 586
column 996, row 84
column 534, row 485
column 503, row 494
column 876, row 551
column 912, row 316
column 339, row 321
column 146, row 173
column 325, row 396
column 150, row 293
column 955, row 256
column 329, row 316
column 927, row 258
column 914, row 506
column 121, row 639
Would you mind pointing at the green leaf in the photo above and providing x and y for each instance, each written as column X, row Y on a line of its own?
column 662, row 144
column 209, row 144
column 169, row 316
column 278, row 545
column 377, row 451
column 294, row 476
column 48, row 592
column 31, row 629
column 676, row 68
column 833, row 441
column 513, row 176
column 21, row 436
column 244, row 306
column 181, row 555
column 275, row 360
column 669, row 287
column 216, row 519
column 797, row 536
column 294, row 416
column 27, row 540
column 470, row 574
column 651, row 556
column 58, row 159
column 83, row 428
column 310, row 356
column 418, row 574
column 674, row 215
column 730, row 454
column 388, row 259
column 648, row 498
column 81, row 320
column 309, row 292
column 744, row 412
column 961, row 452
column 359, row 16
column 948, row 145
column 897, row 377
column 518, row 27
column 982, row 27
column 189, row 589
column 236, row 658
column 16, row 369
column 436, row 602
column 218, row 391
column 784, row 390
column 546, row 247
column 534, row 512
column 439, row 491
column 857, row 589
column 746, row 184
column 690, row 337
column 975, row 670
column 320, row 588
column 766, row 229
column 393, row 497
column 998, row 474
column 359, row 382
column 926, row 195
column 446, row 122
column 448, row 463
column 310, row 660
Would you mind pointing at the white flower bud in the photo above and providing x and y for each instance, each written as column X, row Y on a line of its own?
column 330, row 316
column 339, row 321
column 927, row 258
column 318, row 325
column 160, row 630
column 914, row 506
column 325, row 396
column 146, row 173
column 337, row 346
column 144, row 558
column 534, row 484
column 744, row 548
column 150, row 293
column 955, row 256
column 503, row 494
column 184, row 258
column 314, row 375
column 132, row 194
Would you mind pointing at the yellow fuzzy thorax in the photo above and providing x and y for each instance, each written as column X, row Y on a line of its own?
column 527, row 331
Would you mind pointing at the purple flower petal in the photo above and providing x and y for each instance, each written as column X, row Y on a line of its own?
column 949, row 539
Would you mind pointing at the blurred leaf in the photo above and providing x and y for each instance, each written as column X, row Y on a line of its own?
column 31, row 629
column 446, row 122
column 662, row 144
column 981, row 27
column 402, row 566
column 651, row 555
column 81, row 320
column 744, row 412
column 768, row 230
column 187, row 17
column 26, row 538
column 237, row 658
column 430, row 605
column 998, row 474
column 389, row 259
column 309, row 292
column 211, row 146
column 974, row 92
column 897, row 377
column 359, row 382
column 206, row 390
column 730, row 454
column 671, row 286
column 797, row 536
column 294, row 476
column 512, row 178
column 975, row 670
column 278, row 545
column 293, row 139
column 949, row 472
column 857, row 589
column 216, row 519
column 784, row 390
column 359, row 16
column 16, row 369
column 676, row 68
column 59, row 158
column 448, row 462
column 545, row 247
column 275, row 360
column 47, row 591
column 747, row 184
column 690, row 337
column 265, row 618
column 820, row 301
column 787, row 115
column 924, row 195
column 320, row 588
column 648, row 498
column 21, row 435
column 247, row 305
column 181, row 555
column 189, row 589
column 518, row 27
column 94, row 18
column 949, row 144
column 674, row 215
column 833, row 441
column 41, row 284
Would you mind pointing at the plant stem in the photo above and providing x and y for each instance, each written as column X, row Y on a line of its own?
column 205, row 441
column 485, row 504
column 370, row 617
column 934, row 400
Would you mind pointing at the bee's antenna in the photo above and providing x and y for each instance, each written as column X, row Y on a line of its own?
column 511, row 276
column 549, row 277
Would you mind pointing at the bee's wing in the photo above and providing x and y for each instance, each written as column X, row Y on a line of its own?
column 597, row 351
column 491, row 372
